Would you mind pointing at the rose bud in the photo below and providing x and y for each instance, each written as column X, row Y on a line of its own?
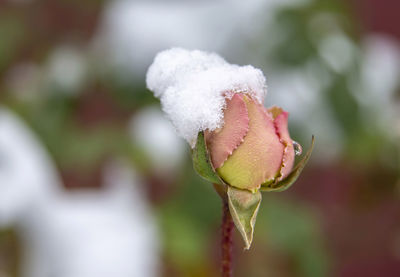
column 253, row 148
column 252, row 151
column 237, row 144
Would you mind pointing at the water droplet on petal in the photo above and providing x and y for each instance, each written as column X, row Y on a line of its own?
column 297, row 148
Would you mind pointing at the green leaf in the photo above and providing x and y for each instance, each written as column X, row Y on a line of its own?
column 201, row 161
column 244, row 206
column 292, row 177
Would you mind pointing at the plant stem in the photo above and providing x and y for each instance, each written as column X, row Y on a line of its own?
column 226, row 240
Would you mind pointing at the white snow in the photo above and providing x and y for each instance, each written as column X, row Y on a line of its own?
column 155, row 135
column 131, row 32
column 108, row 232
column 67, row 68
column 338, row 51
column 193, row 87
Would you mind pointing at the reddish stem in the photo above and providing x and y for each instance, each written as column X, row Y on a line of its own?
column 226, row 241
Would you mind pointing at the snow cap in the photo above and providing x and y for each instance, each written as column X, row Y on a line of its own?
column 193, row 87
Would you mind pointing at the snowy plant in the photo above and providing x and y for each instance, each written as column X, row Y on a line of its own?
column 237, row 144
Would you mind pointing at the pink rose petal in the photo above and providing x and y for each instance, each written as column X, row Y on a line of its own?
column 281, row 125
column 259, row 157
column 221, row 143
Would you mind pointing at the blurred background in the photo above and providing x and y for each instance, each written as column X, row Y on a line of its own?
column 94, row 181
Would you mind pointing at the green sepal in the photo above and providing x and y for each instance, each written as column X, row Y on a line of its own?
column 243, row 206
column 201, row 161
column 292, row 177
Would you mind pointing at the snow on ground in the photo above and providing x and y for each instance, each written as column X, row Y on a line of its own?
column 81, row 234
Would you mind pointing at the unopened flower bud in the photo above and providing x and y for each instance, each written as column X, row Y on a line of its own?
column 253, row 148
